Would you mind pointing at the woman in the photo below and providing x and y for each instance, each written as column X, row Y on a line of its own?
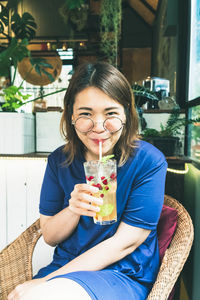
column 93, row 261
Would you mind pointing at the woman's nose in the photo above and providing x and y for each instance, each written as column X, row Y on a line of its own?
column 98, row 126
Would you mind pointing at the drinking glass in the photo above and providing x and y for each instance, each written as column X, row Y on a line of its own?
column 104, row 176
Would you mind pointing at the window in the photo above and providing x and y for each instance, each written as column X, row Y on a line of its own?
column 194, row 64
column 194, row 81
column 194, row 149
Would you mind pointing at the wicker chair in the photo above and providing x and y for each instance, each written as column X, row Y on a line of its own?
column 16, row 258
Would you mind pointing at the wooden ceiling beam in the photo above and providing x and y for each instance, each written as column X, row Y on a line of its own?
column 153, row 3
column 143, row 11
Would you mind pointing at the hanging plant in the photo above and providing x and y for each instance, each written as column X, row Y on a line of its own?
column 75, row 13
column 110, row 29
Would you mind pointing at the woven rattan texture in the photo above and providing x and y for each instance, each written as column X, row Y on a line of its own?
column 176, row 255
column 16, row 258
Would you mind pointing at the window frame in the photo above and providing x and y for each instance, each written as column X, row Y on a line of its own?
column 184, row 21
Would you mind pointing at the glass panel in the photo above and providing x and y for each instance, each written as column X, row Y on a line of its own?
column 195, row 134
column 194, row 64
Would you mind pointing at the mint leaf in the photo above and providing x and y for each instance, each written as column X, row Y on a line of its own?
column 107, row 157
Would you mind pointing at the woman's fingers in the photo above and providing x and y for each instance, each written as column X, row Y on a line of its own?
column 89, row 205
column 91, row 199
column 86, row 188
column 84, row 192
column 82, row 212
column 83, row 202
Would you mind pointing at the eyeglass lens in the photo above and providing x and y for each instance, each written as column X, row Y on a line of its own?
column 86, row 124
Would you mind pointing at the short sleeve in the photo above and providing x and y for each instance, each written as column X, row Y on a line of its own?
column 146, row 198
column 52, row 194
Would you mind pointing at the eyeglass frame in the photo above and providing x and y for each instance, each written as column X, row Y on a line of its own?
column 85, row 117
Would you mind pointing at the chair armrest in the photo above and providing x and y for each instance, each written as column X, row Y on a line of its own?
column 176, row 255
column 16, row 260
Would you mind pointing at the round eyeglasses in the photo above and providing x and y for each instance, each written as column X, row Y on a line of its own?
column 85, row 124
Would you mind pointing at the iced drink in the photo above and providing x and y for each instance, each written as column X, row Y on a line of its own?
column 104, row 176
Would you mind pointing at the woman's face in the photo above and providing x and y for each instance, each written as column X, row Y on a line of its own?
column 93, row 103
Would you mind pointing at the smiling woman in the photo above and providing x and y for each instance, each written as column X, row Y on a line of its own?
column 94, row 260
column 107, row 91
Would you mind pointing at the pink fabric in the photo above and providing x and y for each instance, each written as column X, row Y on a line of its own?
column 166, row 228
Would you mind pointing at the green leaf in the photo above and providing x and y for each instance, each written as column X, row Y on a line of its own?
column 4, row 15
column 41, row 62
column 150, row 132
column 140, row 91
column 25, row 97
column 14, row 98
column 46, row 65
column 23, row 26
column 14, row 53
column 71, row 4
column 1, row 27
column 38, row 70
column 51, row 78
column 106, row 158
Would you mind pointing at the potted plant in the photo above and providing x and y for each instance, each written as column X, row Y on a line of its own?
column 167, row 139
column 143, row 95
column 75, row 14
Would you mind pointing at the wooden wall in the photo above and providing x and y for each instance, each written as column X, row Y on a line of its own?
column 136, row 63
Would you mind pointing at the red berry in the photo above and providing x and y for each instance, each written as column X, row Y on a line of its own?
column 99, row 186
column 102, row 177
column 105, row 181
column 102, row 195
column 113, row 176
column 107, row 188
column 90, row 178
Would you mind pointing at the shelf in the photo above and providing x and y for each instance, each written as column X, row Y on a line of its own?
column 161, row 111
column 178, row 159
column 28, row 155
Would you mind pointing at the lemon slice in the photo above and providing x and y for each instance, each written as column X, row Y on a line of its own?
column 106, row 209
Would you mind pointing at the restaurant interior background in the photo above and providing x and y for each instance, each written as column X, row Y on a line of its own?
column 156, row 45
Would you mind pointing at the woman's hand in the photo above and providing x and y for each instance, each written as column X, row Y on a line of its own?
column 20, row 289
column 59, row 227
column 83, row 200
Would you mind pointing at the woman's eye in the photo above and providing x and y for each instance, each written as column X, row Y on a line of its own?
column 85, row 114
column 111, row 113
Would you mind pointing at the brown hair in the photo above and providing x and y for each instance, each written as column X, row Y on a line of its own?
column 113, row 83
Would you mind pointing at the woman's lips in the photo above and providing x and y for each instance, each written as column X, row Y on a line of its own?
column 96, row 141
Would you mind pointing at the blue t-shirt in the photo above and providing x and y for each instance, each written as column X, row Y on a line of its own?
column 140, row 195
